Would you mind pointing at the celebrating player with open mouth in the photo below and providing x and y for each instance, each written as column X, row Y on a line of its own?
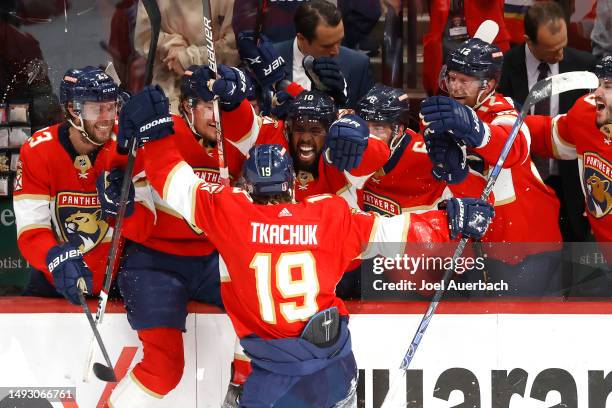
column 274, row 249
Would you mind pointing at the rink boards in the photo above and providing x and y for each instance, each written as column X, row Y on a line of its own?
column 479, row 354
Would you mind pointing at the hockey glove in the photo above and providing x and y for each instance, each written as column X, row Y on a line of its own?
column 443, row 114
column 449, row 159
column 346, row 141
column 67, row 266
column 146, row 116
column 280, row 105
column 232, row 87
column 330, row 75
column 468, row 217
column 265, row 61
column 109, row 192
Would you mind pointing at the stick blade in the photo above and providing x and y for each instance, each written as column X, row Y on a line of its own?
column 570, row 81
column 487, row 31
column 104, row 373
column 556, row 84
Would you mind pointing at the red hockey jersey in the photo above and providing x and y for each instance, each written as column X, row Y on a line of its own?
column 405, row 182
column 244, row 130
column 576, row 135
column 158, row 226
column 279, row 263
column 55, row 200
column 522, row 200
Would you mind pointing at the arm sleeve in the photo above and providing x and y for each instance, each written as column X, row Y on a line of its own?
column 551, row 137
column 32, row 206
column 241, row 127
column 138, row 226
column 499, row 130
column 390, row 234
column 193, row 198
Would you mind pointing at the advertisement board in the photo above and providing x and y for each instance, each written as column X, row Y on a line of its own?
column 473, row 355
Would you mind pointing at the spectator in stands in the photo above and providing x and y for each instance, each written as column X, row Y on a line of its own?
column 602, row 30
column 23, row 71
column 181, row 40
column 320, row 32
column 545, row 53
column 130, row 66
column 451, row 23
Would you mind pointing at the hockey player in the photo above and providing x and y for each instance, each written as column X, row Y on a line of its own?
column 585, row 132
column 170, row 261
column 475, row 115
column 408, row 181
column 60, row 230
column 290, row 322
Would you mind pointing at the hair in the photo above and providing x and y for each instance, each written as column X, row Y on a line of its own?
column 542, row 12
column 309, row 15
column 282, row 198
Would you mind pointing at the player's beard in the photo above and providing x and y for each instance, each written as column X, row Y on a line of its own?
column 99, row 131
column 603, row 112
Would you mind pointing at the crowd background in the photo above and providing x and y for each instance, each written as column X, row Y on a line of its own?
column 40, row 40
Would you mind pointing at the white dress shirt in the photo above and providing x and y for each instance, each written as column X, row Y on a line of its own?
column 532, row 77
column 299, row 74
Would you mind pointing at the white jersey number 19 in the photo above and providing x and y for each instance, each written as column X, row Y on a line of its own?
column 307, row 286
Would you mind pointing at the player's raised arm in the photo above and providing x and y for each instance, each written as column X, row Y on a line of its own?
column 463, row 217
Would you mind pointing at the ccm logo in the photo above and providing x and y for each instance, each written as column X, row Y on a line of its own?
column 155, row 123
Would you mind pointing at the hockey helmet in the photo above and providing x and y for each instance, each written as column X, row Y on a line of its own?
column 385, row 104
column 603, row 68
column 89, row 84
column 314, row 105
column 476, row 58
column 268, row 170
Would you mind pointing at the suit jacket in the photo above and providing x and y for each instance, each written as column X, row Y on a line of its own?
column 354, row 65
column 513, row 83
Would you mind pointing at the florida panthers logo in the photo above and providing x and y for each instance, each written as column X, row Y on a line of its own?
column 80, row 219
column 597, row 176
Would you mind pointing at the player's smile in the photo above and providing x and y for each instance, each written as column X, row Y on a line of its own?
column 306, row 152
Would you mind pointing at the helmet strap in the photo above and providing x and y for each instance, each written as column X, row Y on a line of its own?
column 396, row 138
column 82, row 131
column 480, row 99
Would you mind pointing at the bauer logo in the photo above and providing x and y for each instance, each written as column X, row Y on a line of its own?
column 156, row 122
column 597, row 178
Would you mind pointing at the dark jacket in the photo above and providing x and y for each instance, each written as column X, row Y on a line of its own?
column 354, row 65
column 513, row 83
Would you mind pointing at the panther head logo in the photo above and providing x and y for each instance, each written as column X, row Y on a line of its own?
column 85, row 229
column 601, row 199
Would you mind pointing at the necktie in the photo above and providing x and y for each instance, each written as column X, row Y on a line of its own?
column 542, row 107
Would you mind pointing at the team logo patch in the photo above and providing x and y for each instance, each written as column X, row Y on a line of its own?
column 597, row 177
column 80, row 219
column 379, row 204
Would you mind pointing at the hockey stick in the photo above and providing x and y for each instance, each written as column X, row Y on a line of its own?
column 393, row 47
column 260, row 19
column 543, row 89
column 103, row 372
column 152, row 10
column 212, row 64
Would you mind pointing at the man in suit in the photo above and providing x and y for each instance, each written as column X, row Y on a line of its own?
column 545, row 53
column 320, row 31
